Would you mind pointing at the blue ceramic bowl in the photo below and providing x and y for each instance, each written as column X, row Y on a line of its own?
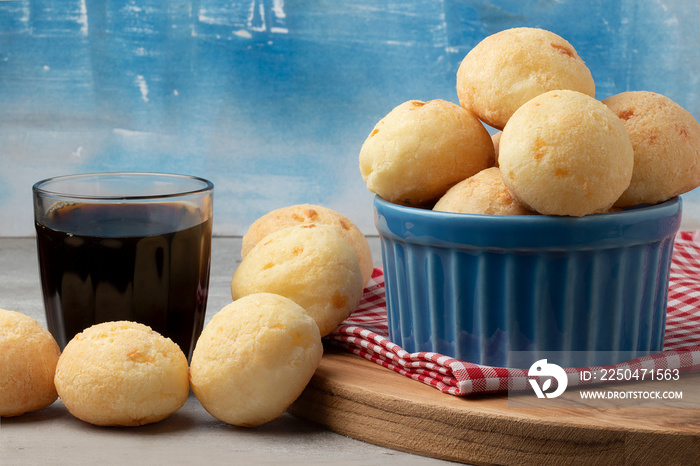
column 480, row 287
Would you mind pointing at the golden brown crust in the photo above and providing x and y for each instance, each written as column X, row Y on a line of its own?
column 666, row 141
column 496, row 139
column 421, row 149
column 508, row 68
column 122, row 374
column 565, row 153
column 309, row 263
column 28, row 357
column 254, row 358
column 483, row 193
column 309, row 213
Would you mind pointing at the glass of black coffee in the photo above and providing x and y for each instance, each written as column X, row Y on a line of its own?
column 125, row 246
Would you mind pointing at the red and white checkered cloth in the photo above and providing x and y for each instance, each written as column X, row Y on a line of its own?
column 365, row 333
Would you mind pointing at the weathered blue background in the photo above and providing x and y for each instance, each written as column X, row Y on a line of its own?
column 271, row 100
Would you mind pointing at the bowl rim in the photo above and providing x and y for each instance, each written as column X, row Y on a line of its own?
column 637, row 225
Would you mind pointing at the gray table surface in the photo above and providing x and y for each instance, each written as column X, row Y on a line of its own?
column 54, row 436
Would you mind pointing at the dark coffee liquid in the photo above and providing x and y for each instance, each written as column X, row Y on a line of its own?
column 147, row 263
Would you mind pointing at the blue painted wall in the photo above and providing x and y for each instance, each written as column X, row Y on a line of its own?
column 271, row 100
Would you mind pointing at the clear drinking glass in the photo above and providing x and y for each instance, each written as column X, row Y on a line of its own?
column 125, row 246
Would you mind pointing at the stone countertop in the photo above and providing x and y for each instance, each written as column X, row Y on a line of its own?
column 54, row 436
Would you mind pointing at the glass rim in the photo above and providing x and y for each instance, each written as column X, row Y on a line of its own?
column 39, row 187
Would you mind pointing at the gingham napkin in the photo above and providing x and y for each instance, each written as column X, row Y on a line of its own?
column 365, row 333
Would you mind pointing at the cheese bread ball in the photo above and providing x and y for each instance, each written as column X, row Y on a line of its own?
column 308, row 213
column 496, row 139
column 420, row 149
column 254, row 358
column 28, row 357
column 508, row 68
column 483, row 193
column 666, row 141
column 310, row 264
column 565, row 153
column 122, row 374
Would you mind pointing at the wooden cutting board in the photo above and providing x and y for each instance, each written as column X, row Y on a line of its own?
column 365, row 401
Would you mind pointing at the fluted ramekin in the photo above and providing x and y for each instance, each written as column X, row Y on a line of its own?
column 478, row 287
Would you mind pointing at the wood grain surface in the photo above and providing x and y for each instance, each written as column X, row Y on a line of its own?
column 368, row 402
